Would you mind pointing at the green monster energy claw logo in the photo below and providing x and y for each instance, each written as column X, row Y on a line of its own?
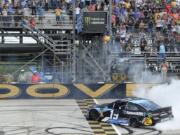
column 87, row 20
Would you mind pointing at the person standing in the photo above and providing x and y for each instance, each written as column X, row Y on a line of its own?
column 164, row 69
column 122, row 33
column 40, row 11
column 32, row 23
column 35, row 78
column 162, row 51
column 58, row 14
column 33, row 7
column 22, row 77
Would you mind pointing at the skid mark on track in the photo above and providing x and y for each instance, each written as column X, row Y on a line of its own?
column 99, row 128
column 146, row 131
column 151, row 130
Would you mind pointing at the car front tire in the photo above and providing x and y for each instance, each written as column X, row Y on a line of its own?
column 94, row 115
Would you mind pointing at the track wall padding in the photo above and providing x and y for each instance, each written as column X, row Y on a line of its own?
column 61, row 91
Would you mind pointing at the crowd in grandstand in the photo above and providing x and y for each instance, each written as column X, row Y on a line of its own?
column 159, row 19
column 15, row 10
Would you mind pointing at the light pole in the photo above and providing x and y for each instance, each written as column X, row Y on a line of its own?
column 110, row 42
column 74, row 46
column 62, row 74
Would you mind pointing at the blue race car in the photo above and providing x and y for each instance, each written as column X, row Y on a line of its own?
column 132, row 111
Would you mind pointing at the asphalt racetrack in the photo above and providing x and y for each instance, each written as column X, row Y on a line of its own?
column 60, row 117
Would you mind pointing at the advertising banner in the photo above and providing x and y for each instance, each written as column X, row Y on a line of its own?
column 94, row 22
column 61, row 91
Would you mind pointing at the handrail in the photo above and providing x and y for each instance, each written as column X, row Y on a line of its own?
column 48, row 20
column 149, row 52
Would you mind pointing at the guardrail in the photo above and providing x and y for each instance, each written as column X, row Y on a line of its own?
column 145, row 54
column 11, row 21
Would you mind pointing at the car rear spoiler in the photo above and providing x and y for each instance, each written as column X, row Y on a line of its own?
column 164, row 109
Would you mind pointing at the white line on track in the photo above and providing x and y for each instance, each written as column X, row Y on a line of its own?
column 115, row 128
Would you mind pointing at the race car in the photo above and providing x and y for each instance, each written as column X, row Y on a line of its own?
column 132, row 111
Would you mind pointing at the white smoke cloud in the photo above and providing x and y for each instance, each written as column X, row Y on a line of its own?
column 139, row 73
column 165, row 95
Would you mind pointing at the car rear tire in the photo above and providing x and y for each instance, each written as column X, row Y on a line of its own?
column 134, row 123
column 94, row 115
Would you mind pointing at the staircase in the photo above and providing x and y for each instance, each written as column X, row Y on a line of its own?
column 92, row 62
column 61, row 46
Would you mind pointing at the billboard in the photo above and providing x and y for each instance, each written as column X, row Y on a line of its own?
column 94, row 22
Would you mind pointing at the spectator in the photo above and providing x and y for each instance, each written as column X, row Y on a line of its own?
column 1, row 9
column 150, row 25
column 141, row 25
column 10, row 10
column 32, row 23
column 5, row 17
column 164, row 69
column 162, row 51
column 158, row 23
column 17, row 17
column 122, row 33
column 58, row 14
column 77, row 11
column 113, row 20
column 143, row 46
column 33, row 7
column 63, row 14
column 40, row 12
column 22, row 77
column 92, row 7
column 129, row 47
column 24, row 22
column 130, row 23
column 35, row 77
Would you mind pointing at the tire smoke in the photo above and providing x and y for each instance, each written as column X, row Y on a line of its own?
column 164, row 95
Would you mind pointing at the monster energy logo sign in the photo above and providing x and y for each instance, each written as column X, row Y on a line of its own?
column 87, row 20
column 94, row 22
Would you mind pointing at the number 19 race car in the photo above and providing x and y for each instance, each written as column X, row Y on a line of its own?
column 133, row 112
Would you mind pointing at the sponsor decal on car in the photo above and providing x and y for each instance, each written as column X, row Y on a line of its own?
column 135, row 113
column 147, row 121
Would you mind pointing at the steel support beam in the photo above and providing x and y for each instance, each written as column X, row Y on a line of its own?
column 74, row 46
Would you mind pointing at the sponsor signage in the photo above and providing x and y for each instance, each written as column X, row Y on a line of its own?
column 71, row 91
column 135, row 113
column 94, row 22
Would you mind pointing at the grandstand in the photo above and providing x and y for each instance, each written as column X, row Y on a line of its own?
column 73, row 49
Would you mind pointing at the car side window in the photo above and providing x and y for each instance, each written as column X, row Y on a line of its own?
column 131, row 107
column 110, row 105
column 116, row 106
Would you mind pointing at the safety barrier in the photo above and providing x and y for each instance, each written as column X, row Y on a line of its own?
column 61, row 91
column 69, row 91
